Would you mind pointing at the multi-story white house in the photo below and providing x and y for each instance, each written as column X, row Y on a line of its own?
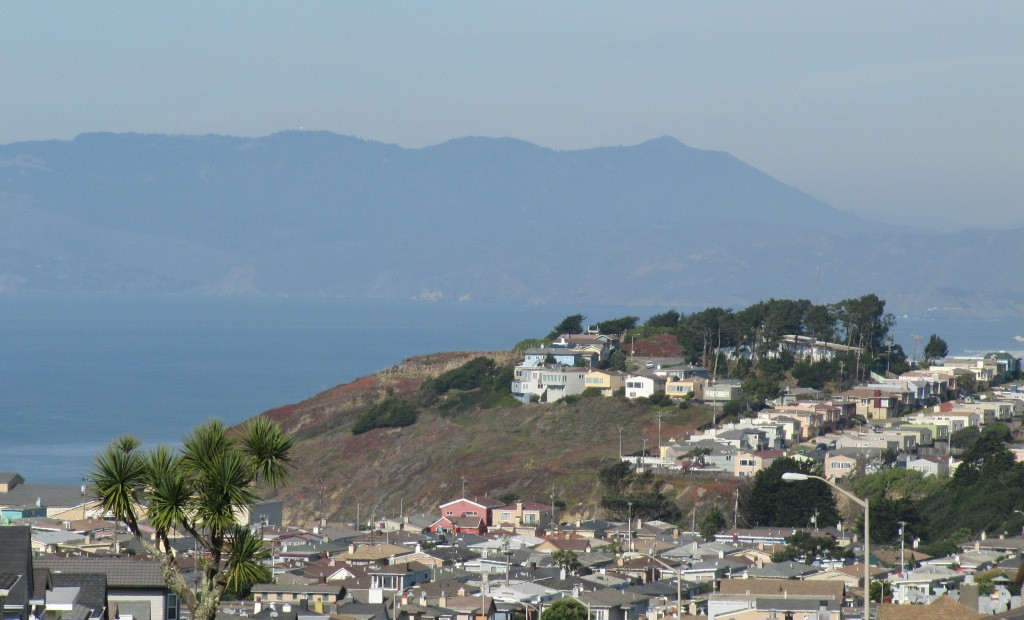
column 644, row 385
column 547, row 383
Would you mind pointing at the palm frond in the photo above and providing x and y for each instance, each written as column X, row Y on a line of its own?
column 245, row 556
column 117, row 478
column 269, row 447
column 203, row 447
column 225, row 491
column 170, row 502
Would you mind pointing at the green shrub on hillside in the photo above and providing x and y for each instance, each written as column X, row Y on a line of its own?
column 477, row 372
column 392, row 412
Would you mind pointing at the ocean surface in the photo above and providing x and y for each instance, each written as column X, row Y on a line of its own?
column 77, row 372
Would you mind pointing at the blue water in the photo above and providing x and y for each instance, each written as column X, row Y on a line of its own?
column 77, row 372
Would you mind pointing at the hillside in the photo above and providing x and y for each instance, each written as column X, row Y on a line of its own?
column 527, row 449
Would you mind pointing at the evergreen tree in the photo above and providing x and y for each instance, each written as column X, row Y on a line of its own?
column 773, row 501
column 936, row 348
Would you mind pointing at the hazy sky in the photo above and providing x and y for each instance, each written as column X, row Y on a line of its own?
column 908, row 111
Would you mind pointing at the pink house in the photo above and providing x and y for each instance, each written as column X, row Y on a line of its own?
column 465, row 515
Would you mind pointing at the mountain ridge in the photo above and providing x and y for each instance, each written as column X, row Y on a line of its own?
column 302, row 213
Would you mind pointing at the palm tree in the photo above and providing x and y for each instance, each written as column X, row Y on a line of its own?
column 201, row 489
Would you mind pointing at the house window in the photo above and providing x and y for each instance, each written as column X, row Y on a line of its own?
column 172, row 606
column 530, row 517
column 506, row 516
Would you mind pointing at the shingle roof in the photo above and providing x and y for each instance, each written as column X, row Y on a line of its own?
column 8, row 579
column 92, row 588
column 943, row 608
column 16, row 559
column 782, row 587
column 120, row 572
column 59, row 495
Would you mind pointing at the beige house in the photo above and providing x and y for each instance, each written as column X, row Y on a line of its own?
column 749, row 463
column 521, row 514
column 872, row 404
column 763, row 599
column 839, row 466
column 679, row 387
column 605, row 380
column 722, row 391
column 313, row 594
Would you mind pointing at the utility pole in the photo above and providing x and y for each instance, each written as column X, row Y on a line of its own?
column 553, row 507
column 888, row 356
column 817, row 285
column 463, row 487
column 620, row 443
column 629, row 528
column 321, row 487
column 736, row 510
column 659, row 433
column 903, row 565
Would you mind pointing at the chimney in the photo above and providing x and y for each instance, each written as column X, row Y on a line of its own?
column 286, row 608
column 351, row 548
column 969, row 596
column 442, row 601
column 257, row 606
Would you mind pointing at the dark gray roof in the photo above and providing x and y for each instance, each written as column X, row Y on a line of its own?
column 16, row 559
column 782, row 570
column 8, row 579
column 60, row 495
column 610, row 597
column 364, row 610
column 92, row 587
column 120, row 572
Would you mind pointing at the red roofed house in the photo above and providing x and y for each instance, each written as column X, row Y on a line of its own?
column 465, row 515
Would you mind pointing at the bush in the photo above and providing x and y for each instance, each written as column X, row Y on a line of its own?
column 477, row 372
column 659, row 398
column 392, row 412
column 591, row 392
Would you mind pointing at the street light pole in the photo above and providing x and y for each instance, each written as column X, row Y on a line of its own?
column 792, row 476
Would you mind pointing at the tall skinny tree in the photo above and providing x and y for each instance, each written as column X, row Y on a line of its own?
column 201, row 489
